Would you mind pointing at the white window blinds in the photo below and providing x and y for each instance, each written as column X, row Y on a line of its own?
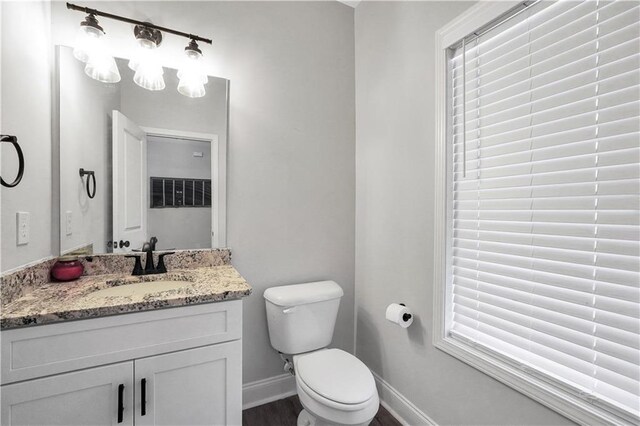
column 545, row 230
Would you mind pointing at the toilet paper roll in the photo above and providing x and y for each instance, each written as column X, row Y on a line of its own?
column 399, row 314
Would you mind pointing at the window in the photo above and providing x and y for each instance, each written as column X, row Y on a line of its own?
column 538, row 266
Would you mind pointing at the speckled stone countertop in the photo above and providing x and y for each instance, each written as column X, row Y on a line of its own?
column 50, row 302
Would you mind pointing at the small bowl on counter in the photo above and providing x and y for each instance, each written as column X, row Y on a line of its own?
column 67, row 268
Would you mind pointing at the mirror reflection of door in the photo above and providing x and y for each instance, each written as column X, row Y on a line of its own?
column 129, row 184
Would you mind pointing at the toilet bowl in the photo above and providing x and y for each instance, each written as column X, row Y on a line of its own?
column 334, row 387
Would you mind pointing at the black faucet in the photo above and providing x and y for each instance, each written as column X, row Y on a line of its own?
column 152, row 242
column 149, row 268
column 148, row 249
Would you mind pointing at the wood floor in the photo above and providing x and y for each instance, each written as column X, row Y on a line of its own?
column 285, row 413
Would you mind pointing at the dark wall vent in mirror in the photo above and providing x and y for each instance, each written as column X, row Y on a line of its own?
column 180, row 192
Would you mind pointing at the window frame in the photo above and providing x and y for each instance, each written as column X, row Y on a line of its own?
column 523, row 380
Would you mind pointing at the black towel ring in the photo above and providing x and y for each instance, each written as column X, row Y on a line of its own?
column 92, row 177
column 14, row 141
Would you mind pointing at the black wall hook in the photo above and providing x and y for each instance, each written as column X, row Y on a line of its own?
column 14, row 141
column 92, row 177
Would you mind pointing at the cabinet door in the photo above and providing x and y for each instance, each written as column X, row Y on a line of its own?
column 200, row 386
column 87, row 397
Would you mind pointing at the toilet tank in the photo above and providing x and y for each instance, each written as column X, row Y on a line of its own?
column 301, row 317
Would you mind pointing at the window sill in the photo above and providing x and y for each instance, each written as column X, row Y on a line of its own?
column 543, row 392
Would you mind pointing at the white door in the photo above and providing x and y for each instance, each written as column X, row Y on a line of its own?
column 97, row 396
column 130, row 187
column 200, row 386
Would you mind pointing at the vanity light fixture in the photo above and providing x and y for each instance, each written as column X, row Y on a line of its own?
column 191, row 73
column 91, row 49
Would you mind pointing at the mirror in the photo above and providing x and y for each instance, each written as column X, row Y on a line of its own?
column 137, row 164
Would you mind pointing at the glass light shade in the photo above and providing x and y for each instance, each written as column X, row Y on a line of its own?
column 149, row 72
column 102, row 67
column 88, row 41
column 149, row 76
column 192, row 88
column 192, row 76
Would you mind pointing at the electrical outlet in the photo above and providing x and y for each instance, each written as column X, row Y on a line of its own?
column 23, row 219
column 69, row 222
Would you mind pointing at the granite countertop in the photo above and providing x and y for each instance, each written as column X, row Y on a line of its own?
column 55, row 302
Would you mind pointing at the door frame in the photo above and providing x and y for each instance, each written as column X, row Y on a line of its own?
column 218, row 177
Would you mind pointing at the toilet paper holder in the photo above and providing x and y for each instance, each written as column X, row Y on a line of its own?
column 405, row 317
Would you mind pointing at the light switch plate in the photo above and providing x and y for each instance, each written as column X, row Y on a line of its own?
column 23, row 220
column 69, row 222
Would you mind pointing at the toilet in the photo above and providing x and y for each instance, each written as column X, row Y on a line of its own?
column 334, row 387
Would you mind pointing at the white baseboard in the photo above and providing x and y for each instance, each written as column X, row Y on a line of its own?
column 268, row 390
column 399, row 406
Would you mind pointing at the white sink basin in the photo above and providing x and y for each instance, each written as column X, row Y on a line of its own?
column 138, row 289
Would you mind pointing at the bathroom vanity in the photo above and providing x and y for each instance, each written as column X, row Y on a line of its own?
column 102, row 351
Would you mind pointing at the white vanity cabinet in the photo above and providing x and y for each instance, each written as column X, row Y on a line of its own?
column 192, row 387
column 87, row 397
column 178, row 366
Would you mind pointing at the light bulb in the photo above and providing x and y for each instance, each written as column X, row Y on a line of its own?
column 144, row 53
column 191, row 73
column 89, row 39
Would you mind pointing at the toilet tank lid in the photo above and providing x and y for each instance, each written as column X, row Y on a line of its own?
column 300, row 294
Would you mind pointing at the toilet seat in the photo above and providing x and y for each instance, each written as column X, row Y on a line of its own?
column 336, row 386
column 328, row 402
column 336, row 376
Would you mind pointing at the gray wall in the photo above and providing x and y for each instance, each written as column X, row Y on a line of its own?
column 186, row 227
column 394, row 220
column 25, row 111
column 291, row 177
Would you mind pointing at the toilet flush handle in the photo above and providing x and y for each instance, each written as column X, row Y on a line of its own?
column 288, row 310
